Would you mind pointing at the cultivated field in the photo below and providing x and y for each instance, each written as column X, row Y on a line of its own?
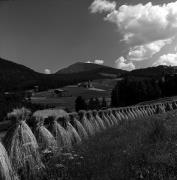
column 102, row 88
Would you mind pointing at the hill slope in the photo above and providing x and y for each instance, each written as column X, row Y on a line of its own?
column 88, row 68
column 13, row 74
column 154, row 71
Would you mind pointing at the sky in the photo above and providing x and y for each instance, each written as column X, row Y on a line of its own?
column 47, row 35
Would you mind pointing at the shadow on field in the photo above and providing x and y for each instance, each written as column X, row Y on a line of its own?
column 140, row 149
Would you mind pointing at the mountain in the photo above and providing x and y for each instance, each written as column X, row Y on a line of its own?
column 81, row 67
column 13, row 74
column 15, row 77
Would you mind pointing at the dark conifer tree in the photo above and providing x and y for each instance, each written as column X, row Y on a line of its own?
column 80, row 104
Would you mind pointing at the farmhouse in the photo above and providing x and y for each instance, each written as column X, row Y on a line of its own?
column 60, row 93
column 87, row 84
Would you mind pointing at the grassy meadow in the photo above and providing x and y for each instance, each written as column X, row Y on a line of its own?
column 140, row 149
column 102, row 88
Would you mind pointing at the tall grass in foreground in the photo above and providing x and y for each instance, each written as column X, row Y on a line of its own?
column 141, row 149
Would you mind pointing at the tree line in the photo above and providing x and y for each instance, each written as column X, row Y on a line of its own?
column 91, row 104
column 132, row 91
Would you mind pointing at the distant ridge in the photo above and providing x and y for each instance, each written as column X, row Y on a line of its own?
column 15, row 76
column 154, row 71
column 81, row 67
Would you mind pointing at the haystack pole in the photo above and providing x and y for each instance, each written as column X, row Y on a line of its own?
column 142, row 111
column 174, row 105
column 113, row 118
column 93, row 121
column 120, row 114
column 6, row 170
column 77, row 125
column 86, row 123
column 62, row 138
column 99, row 120
column 149, row 110
column 44, row 137
column 169, row 106
column 22, row 147
column 130, row 113
column 117, row 114
column 104, row 119
column 134, row 111
column 74, row 136
column 122, row 110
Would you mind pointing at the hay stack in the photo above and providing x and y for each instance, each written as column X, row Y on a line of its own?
column 113, row 118
column 134, row 112
column 142, row 111
column 123, row 114
column 160, row 109
column 62, row 138
column 44, row 137
column 169, row 107
column 117, row 114
column 104, row 118
column 106, row 112
column 128, row 114
column 93, row 121
column 77, row 125
column 130, row 117
column 139, row 113
column 131, row 113
column 50, row 113
column 74, row 136
column 99, row 120
column 151, row 110
column 86, row 123
column 174, row 105
column 22, row 146
column 6, row 171
column 148, row 111
column 71, row 131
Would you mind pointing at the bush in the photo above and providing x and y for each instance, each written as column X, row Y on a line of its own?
column 157, row 130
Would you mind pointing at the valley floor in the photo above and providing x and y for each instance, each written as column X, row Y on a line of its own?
column 140, row 149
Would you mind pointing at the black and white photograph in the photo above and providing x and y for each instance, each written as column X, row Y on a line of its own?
column 88, row 90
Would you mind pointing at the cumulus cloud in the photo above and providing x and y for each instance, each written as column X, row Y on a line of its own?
column 167, row 59
column 142, row 24
column 102, row 6
column 146, row 28
column 99, row 61
column 88, row 62
column 139, row 53
column 96, row 62
column 122, row 63
column 47, row 71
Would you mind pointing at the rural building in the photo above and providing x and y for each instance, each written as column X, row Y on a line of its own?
column 87, row 84
column 59, row 93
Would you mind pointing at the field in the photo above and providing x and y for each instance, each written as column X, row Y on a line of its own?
column 102, row 88
column 141, row 149
column 136, row 143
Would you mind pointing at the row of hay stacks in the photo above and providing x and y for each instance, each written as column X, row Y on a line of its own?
column 54, row 130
